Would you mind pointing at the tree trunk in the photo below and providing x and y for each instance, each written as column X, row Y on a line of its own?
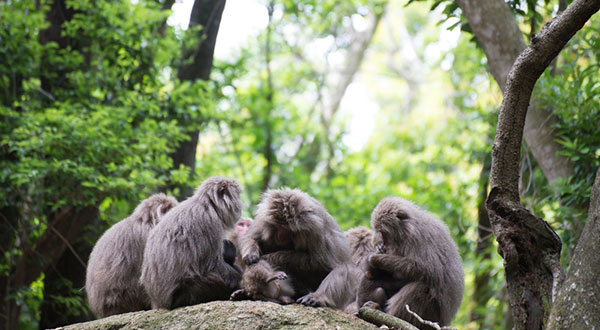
column 9, row 219
column 66, row 278
column 197, row 64
column 529, row 246
column 578, row 303
column 496, row 29
column 268, row 151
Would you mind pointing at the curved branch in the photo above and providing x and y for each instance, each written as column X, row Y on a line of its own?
column 527, row 243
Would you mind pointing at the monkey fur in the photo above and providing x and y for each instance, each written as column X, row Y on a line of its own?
column 261, row 282
column 414, row 246
column 381, row 285
column 296, row 235
column 361, row 243
column 183, row 260
column 235, row 235
column 114, row 265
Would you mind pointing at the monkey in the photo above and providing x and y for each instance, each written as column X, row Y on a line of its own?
column 261, row 282
column 184, row 261
column 293, row 232
column 415, row 247
column 361, row 242
column 114, row 265
column 381, row 285
column 229, row 253
column 240, row 229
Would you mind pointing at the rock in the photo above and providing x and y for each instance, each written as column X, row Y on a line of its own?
column 230, row 315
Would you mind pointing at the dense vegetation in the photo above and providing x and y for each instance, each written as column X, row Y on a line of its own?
column 350, row 101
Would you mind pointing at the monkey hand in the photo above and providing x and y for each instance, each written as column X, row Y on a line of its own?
column 380, row 248
column 376, row 260
column 240, row 294
column 371, row 304
column 251, row 258
column 309, row 300
column 281, row 276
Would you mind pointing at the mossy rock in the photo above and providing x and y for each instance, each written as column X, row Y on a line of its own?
column 230, row 315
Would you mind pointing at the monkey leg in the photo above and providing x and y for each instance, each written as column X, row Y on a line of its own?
column 421, row 301
column 116, row 301
column 370, row 291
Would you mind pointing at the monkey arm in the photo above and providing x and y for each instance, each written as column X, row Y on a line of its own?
column 293, row 260
column 250, row 250
column 401, row 268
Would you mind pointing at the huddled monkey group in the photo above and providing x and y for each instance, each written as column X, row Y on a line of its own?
column 169, row 254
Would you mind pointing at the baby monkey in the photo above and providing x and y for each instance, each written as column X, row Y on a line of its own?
column 261, row 282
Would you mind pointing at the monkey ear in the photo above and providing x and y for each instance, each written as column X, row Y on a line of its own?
column 222, row 188
column 401, row 215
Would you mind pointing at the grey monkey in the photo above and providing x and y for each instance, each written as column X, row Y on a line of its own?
column 296, row 235
column 235, row 236
column 414, row 247
column 114, row 265
column 361, row 243
column 261, row 282
column 380, row 285
column 184, row 256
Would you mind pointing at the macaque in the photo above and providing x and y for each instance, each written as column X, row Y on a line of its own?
column 240, row 229
column 261, row 282
column 381, row 285
column 184, row 257
column 294, row 233
column 414, row 247
column 229, row 252
column 114, row 265
column 361, row 243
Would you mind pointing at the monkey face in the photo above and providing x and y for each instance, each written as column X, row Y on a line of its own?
column 241, row 227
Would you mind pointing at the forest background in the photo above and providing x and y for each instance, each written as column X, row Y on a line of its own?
column 106, row 102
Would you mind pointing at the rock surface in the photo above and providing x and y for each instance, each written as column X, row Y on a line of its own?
column 230, row 315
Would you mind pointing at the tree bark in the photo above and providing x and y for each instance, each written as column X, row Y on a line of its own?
column 197, row 64
column 529, row 246
column 268, row 151
column 496, row 29
column 578, row 303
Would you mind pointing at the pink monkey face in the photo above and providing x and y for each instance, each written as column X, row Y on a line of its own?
column 241, row 227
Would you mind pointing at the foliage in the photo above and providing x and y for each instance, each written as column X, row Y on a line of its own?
column 91, row 118
column 90, row 122
column 572, row 90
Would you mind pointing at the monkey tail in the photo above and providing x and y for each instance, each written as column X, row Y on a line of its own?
column 419, row 298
